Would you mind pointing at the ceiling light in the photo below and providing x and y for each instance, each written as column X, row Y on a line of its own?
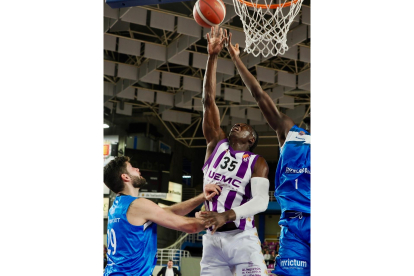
column 106, row 126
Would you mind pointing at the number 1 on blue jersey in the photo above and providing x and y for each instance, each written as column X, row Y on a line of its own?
column 296, row 183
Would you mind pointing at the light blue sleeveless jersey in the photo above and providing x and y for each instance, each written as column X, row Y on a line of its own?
column 292, row 181
column 131, row 249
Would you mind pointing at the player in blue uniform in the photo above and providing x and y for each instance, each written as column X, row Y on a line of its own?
column 132, row 221
column 292, row 182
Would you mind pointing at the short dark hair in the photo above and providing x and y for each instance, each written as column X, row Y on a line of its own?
column 113, row 171
column 256, row 141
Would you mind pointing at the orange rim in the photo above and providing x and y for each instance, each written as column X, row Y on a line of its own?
column 274, row 6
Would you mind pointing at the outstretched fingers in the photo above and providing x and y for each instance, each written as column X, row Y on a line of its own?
column 224, row 41
column 208, row 38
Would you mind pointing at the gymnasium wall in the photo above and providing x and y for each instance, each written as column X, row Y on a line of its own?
column 179, row 151
column 270, row 153
column 166, row 237
column 190, row 266
column 272, row 227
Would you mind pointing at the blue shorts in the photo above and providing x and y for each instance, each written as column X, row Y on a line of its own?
column 294, row 250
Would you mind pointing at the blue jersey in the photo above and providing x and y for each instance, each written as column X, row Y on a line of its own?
column 131, row 249
column 292, row 181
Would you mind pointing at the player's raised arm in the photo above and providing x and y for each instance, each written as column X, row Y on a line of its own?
column 142, row 210
column 183, row 208
column 211, row 116
column 258, row 203
column 277, row 120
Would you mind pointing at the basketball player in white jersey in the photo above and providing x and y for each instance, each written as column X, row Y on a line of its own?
column 231, row 245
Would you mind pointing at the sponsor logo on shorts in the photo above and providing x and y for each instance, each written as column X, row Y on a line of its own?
column 288, row 263
column 252, row 271
column 302, row 133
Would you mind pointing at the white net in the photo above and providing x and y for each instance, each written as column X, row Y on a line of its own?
column 265, row 27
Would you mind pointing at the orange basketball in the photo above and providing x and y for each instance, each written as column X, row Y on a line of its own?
column 209, row 13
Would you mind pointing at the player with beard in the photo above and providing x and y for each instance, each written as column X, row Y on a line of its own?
column 132, row 221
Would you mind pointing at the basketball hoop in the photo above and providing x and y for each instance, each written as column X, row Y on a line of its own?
column 266, row 25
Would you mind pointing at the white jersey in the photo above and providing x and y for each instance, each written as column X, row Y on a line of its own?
column 232, row 171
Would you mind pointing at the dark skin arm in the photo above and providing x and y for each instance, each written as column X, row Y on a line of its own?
column 277, row 120
column 211, row 116
column 261, row 169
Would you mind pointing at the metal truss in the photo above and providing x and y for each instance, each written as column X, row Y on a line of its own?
column 189, row 135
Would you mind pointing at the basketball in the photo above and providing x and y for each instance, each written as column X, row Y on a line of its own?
column 209, row 13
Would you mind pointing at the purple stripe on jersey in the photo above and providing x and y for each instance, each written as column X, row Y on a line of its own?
column 229, row 200
column 243, row 168
column 247, row 191
column 254, row 162
column 210, row 158
column 242, row 224
column 219, row 159
column 207, row 207
column 253, row 223
column 215, row 199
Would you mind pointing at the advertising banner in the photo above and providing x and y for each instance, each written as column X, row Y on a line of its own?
column 175, row 192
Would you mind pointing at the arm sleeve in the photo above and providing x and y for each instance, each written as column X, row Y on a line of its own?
column 259, row 202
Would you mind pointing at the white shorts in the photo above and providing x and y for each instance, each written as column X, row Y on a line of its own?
column 236, row 252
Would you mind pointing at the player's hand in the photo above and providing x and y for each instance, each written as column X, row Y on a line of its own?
column 211, row 190
column 215, row 40
column 201, row 223
column 213, row 219
column 234, row 50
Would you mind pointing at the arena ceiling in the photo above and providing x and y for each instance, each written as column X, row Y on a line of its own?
column 154, row 62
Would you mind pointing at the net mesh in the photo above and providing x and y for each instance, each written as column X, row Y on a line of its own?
column 266, row 28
